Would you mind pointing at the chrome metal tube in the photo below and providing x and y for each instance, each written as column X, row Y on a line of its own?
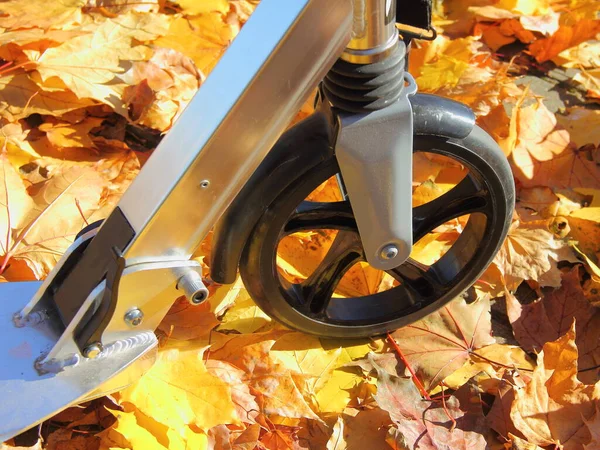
column 373, row 31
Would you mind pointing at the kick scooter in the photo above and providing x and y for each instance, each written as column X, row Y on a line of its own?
column 88, row 329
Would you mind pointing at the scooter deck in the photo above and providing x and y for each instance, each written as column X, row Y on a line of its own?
column 28, row 398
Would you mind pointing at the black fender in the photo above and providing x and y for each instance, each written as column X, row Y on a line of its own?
column 298, row 150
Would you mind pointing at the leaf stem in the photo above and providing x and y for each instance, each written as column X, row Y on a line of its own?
column 415, row 378
column 446, row 409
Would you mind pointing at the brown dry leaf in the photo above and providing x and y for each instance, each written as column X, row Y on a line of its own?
column 138, row 99
column 530, row 252
column 545, row 320
column 553, row 407
column 498, row 417
column 422, row 424
column 186, row 322
column 566, row 37
column 271, row 382
column 443, row 341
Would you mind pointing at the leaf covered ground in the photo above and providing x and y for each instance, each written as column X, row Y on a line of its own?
column 87, row 88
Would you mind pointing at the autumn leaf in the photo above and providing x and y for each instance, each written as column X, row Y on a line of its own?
column 533, row 138
column 38, row 229
column 245, row 403
column 275, row 387
column 553, row 407
column 39, row 13
column 531, row 253
column 87, row 63
column 420, row 423
column 564, row 38
column 211, row 35
column 186, row 322
column 337, row 441
column 179, row 391
column 549, row 318
column 443, row 341
column 192, row 7
column 71, row 135
column 20, row 97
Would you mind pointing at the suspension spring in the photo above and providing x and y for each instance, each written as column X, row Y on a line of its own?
column 360, row 88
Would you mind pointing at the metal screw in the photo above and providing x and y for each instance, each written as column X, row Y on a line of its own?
column 388, row 252
column 193, row 287
column 93, row 350
column 134, row 317
column 204, row 184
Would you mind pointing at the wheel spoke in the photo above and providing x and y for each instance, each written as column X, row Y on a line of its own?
column 465, row 198
column 418, row 278
column 321, row 215
column 318, row 288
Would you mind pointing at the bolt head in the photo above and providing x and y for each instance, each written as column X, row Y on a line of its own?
column 134, row 317
column 388, row 252
column 93, row 350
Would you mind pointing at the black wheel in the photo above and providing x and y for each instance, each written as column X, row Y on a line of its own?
column 321, row 300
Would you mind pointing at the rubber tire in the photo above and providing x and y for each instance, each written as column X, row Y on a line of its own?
column 257, row 264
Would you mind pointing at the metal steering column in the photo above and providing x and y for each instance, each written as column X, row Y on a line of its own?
column 370, row 93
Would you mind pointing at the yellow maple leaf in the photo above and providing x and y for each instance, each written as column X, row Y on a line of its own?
column 202, row 38
column 86, row 63
column 244, row 316
column 446, row 71
column 179, row 391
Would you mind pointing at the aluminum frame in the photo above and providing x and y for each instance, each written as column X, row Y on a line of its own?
column 263, row 78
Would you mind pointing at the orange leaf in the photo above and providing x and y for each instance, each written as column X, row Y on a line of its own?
column 442, row 342
column 564, row 38
column 554, row 407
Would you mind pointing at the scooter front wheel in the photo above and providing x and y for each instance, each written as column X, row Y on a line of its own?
column 321, row 303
